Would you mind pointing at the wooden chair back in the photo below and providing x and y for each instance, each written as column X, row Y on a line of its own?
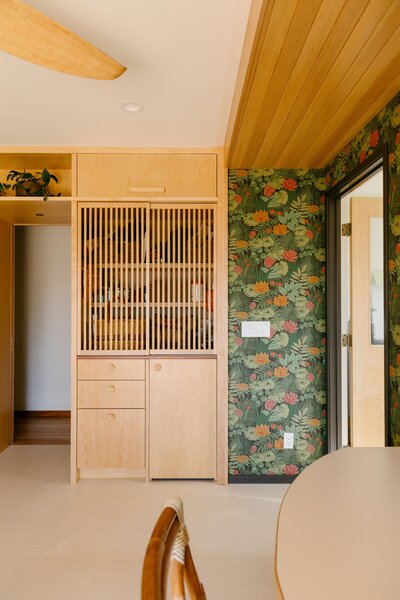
column 166, row 554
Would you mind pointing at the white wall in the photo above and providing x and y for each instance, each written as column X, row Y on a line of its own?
column 42, row 318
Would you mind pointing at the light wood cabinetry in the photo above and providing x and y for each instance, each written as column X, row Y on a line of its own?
column 148, row 288
column 111, row 419
column 147, row 278
column 157, row 174
column 111, row 394
column 111, row 439
column 182, row 418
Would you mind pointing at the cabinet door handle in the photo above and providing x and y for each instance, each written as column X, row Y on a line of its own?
column 111, row 388
column 111, row 366
column 111, row 417
column 157, row 367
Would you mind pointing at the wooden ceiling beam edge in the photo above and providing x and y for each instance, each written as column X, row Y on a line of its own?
column 296, row 37
column 328, row 90
column 357, row 76
column 256, row 17
column 328, row 14
column 269, row 42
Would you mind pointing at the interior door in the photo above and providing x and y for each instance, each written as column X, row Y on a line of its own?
column 6, row 334
column 367, row 395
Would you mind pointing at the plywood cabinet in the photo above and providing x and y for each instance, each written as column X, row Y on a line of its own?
column 146, row 278
column 182, row 418
column 111, row 439
column 147, row 174
column 111, row 416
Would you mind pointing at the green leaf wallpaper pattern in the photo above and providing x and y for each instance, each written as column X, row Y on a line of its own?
column 384, row 128
column 276, row 272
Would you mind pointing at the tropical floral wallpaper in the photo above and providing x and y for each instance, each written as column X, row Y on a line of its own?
column 276, row 272
column 384, row 128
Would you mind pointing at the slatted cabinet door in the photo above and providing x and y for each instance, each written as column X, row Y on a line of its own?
column 113, row 248
column 181, row 279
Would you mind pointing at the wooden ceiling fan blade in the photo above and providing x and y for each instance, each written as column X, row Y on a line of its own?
column 29, row 34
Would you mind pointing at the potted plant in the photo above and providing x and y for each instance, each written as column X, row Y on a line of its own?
column 31, row 184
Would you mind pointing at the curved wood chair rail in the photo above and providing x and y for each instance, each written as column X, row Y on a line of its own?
column 158, row 558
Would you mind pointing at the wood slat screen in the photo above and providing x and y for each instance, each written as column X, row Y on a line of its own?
column 113, row 254
column 181, row 279
column 147, row 278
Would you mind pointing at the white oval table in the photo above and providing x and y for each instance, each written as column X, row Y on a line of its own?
column 338, row 534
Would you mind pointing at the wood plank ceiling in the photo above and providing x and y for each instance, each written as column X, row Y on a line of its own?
column 315, row 72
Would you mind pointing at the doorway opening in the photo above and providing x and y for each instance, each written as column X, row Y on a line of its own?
column 357, row 309
column 42, row 373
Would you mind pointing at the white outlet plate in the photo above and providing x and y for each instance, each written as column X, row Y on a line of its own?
column 256, row 329
column 288, row 440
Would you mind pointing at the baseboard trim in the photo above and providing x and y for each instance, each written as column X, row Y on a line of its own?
column 261, row 478
column 62, row 414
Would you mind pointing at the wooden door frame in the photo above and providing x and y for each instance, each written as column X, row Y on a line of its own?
column 378, row 160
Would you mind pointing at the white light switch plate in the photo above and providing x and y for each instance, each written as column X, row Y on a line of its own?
column 258, row 329
column 288, row 440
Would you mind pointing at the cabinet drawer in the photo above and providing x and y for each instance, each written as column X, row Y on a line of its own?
column 182, row 175
column 111, row 439
column 109, row 368
column 111, row 394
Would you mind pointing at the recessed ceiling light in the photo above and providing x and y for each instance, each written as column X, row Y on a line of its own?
column 132, row 107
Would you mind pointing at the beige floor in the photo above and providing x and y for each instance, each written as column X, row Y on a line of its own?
column 86, row 542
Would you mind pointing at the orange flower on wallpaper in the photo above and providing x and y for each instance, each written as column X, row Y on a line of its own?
column 278, row 444
column 313, row 279
column 269, row 190
column 280, row 229
column 242, row 458
column 242, row 243
column 241, row 314
column 280, row 372
column 261, row 430
column 392, row 265
column 242, row 387
column 261, row 358
column 280, row 300
column 261, row 287
column 314, row 422
column 314, row 351
column 392, row 371
column 289, row 184
column 313, row 208
column 261, row 216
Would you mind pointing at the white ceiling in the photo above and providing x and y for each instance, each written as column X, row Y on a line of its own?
column 182, row 58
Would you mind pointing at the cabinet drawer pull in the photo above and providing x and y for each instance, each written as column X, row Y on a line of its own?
column 147, row 188
column 111, row 366
column 157, row 367
column 111, row 388
column 111, row 416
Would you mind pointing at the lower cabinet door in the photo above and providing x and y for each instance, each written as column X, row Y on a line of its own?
column 111, row 438
column 183, row 418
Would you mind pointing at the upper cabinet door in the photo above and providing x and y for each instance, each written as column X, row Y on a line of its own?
column 112, row 248
column 124, row 175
